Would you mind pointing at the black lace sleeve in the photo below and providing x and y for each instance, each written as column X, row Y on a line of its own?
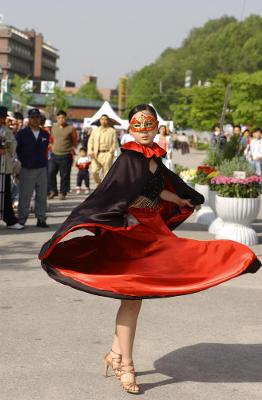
column 154, row 184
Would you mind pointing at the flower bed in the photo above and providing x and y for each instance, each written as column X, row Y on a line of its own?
column 188, row 175
column 228, row 186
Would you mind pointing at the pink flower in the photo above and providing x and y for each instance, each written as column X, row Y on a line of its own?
column 229, row 180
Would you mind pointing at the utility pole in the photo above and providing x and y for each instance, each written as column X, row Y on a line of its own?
column 160, row 86
column 223, row 114
column 122, row 94
column 1, row 84
column 188, row 78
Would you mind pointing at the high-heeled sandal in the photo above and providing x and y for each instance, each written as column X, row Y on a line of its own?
column 130, row 384
column 113, row 360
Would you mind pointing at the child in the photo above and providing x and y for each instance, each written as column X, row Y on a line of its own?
column 82, row 164
column 134, row 254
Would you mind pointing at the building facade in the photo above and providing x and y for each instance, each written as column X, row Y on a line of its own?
column 26, row 54
column 78, row 109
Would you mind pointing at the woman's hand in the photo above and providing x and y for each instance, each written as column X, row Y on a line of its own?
column 184, row 203
column 173, row 198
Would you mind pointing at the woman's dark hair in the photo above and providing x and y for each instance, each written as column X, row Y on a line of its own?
column 42, row 119
column 18, row 115
column 61, row 112
column 83, row 149
column 162, row 126
column 142, row 107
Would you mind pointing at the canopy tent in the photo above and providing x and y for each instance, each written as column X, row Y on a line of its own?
column 119, row 123
column 108, row 110
column 161, row 121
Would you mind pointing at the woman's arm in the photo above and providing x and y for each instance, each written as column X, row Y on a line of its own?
column 90, row 145
column 173, row 198
column 169, row 147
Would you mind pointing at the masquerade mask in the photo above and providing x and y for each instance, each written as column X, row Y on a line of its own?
column 143, row 122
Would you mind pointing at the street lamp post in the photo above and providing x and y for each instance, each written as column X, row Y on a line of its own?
column 1, row 86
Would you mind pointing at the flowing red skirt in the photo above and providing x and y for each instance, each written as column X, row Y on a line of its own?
column 146, row 261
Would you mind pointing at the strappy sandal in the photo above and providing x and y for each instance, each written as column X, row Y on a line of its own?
column 129, row 383
column 113, row 360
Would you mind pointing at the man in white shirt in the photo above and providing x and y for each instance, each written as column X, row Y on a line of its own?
column 256, row 151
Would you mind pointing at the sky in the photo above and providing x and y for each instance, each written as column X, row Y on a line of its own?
column 112, row 38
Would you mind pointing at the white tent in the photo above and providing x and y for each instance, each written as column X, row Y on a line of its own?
column 108, row 110
column 161, row 121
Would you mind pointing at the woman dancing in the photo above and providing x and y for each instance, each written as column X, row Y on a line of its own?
column 133, row 254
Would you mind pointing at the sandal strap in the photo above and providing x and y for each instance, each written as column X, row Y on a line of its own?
column 116, row 355
column 130, row 384
column 127, row 370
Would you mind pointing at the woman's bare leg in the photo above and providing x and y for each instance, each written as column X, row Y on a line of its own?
column 116, row 346
column 126, row 321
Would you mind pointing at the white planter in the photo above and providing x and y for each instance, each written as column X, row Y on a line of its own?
column 204, row 190
column 205, row 215
column 217, row 223
column 212, row 199
column 237, row 214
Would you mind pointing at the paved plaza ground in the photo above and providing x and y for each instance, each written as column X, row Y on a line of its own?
column 206, row 346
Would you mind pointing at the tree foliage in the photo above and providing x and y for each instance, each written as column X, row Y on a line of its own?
column 89, row 91
column 201, row 107
column 223, row 46
column 56, row 101
column 245, row 100
column 20, row 91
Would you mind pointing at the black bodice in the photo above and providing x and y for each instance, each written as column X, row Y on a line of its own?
column 154, row 184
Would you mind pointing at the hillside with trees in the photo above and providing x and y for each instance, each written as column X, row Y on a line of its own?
column 219, row 52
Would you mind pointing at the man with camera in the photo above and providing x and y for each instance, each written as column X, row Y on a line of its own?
column 7, row 150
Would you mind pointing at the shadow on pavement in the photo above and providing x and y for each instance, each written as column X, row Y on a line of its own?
column 30, row 229
column 209, row 362
column 192, row 226
column 66, row 205
column 24, row 251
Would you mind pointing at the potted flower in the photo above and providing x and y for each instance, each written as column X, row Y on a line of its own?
column 202, row 180
column 217, row 223
column 237, row 204
column 188, row 176
column 203, row 176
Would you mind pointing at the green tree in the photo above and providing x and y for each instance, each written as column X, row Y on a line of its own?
column 150, row 86
column 223, row 45
column 200, row 107
column 58, row 100
column 182, row 108
column 245, row 100
column 89, row 91
column 20, row 91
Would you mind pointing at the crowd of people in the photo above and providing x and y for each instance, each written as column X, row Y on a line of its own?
column 248, row 142
column 33, row 151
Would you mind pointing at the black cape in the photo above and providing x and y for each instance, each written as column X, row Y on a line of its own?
column 107, row 206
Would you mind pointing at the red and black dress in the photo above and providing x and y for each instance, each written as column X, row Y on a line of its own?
column 133, row 253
